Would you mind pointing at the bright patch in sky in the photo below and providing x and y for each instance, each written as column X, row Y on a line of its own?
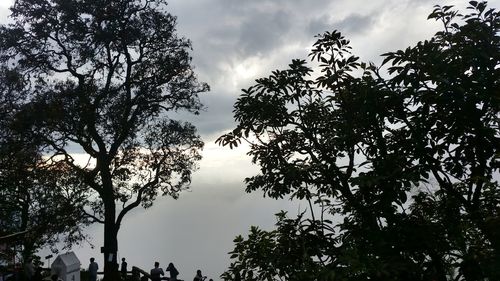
column 5, row 3
column 247, row 69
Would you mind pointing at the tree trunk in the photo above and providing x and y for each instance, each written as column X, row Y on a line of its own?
column 28, row 250
column 110, row 248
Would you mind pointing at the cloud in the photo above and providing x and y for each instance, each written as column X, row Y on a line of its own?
column 236, row 42
column 356, row 23
column 228, row 30
column 263, row 32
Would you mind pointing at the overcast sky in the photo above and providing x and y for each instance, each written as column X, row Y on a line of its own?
column 235, row 42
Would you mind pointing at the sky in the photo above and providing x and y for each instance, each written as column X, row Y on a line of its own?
column 234, row 43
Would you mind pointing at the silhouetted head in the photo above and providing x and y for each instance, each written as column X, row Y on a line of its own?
column 92, row 259
column 198, row 272
column 157, row 264
column 123, row 259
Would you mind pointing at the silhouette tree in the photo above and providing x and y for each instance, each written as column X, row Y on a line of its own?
column 41, row 206
column 105, row 77
column 401, row 173
column 41, row 203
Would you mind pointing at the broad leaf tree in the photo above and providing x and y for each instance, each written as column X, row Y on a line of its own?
column 399, row 163
column 41, row 204
column 105, row 79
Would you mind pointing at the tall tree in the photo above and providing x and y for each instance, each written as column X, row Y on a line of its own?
column 404, row 170
column 105, row 76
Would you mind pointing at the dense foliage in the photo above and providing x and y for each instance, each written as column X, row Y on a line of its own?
column 400, row 163
column 103, row 78
column 40, row 203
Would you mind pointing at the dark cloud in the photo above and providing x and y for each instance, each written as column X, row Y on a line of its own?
column 319, row 25
column 229, row 30
column 297, row 6
column 217, row 115
column 356, row 23
column 353, row 24
column 263, row 32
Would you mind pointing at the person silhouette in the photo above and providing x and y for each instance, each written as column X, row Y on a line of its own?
column 123, row 268
column 199, row 276
column 93, row 267
column 157, row 272
column 173, row 272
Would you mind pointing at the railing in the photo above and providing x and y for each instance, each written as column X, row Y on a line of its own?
column 136, row 274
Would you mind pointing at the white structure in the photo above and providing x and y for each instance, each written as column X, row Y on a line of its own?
column 67, row 266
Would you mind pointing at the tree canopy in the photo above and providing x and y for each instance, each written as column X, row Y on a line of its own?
column 399, row 162
column 104, row 79
column 40, row 203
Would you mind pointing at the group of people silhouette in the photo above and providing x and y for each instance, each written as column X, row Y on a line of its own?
column 157, row 273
